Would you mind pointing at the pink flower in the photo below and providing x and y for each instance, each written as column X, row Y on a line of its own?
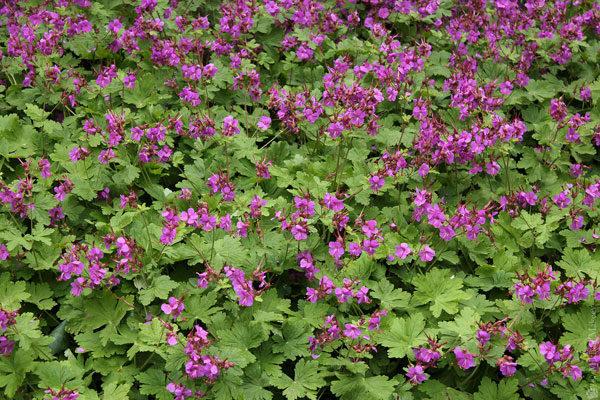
column 264, row 123
column 507, row 366
column 549, row 352
column 336, row 250
column 403, row 250
column 426, row 254
column 482, row 336
column 572, row 371
column 173, row 307
column 190, row 96
column 304, row 52
column 230, row 126
column 585, row 93
column 416, row 374
column 352, row 331
column 4, row 254
column 129, row 80
column 376, row 182
column 333, row 203
column 464, row 359
column 44, row 166
column 299, row 232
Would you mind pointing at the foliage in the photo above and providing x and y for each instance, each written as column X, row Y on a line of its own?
column 299, row 199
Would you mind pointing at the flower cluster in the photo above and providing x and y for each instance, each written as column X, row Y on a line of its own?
column 355, row 336
column 201, row 365
column 88, row 267
column 258, row 166
column 348, row 290
column 7, row 319
column 561, row 360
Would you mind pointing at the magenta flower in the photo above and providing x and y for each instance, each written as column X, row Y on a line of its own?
column 129, row 81
column 426, row 254
column 585, row 93
column 230, row 126
column 333, row 203
column 190, row 96
column 572, row 371
column 173, row 307
column 336, row 249
column 464, row 359
column 415, row 374
column 352, row 331
column 264, row 123
column 482, row 336
column 4, row 254
column 507, row 366
column 403, row 250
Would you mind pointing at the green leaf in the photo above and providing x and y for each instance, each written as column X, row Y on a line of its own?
column 114, row 391
column 14, row 369
column 580, row 326
column 389, row 296
column 232, row 251
column 154, row 382
column 58, row 374
column 441, row 289
column 40, row 295
column 403, row 335
column 307, row 380
column 11, row 293
column 30, row 335
column 349, row 387
column 293, row 340
column 576, row 262
column 160, row 288
column 462, row 327
column 235, row 343
column 506, row 389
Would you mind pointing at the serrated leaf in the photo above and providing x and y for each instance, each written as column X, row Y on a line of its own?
column 404, row 334
column 442, row 290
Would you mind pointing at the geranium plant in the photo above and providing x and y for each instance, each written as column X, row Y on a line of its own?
column 299, row 199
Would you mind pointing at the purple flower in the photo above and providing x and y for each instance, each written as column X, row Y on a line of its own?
column 585, row 93
column 44, row 166
column 403, row 250
column 416, row 374
column 352, row 331
column 299, row 232
column 549, row 352
column 426, row 254
column 361, row 295
column 106, row 75
column 264, row 123
column 333, row 203
column 464, row 359
column 304, row 52
column 376, row 182
column 6, row 346
column 129, row 80
column 506, row 88
column 190, row 96
column 354, row 249
column 4, row 254
column 572, row 371
column 507, row 366
column 230, row 126
column 482, row 336
column 336, row 249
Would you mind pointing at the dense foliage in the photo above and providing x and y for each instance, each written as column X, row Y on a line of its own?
column 290, row 199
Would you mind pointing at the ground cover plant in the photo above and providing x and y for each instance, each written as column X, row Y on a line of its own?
column 299, row 199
